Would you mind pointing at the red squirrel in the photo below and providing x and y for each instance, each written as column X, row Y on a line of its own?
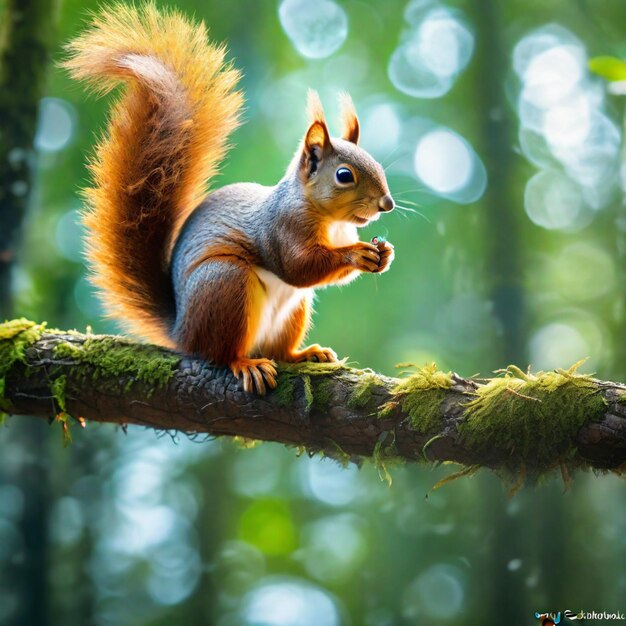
column 227, row 275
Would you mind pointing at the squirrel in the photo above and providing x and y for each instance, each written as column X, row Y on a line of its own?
column 227, row 275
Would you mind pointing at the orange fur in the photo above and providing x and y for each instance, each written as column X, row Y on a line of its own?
column 226, row 333
column 165, row 139
column 234, row 246
column 319, row 263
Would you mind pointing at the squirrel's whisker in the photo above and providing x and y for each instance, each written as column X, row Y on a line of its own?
column 386, row 167
column 410, row 202
column 407, row 209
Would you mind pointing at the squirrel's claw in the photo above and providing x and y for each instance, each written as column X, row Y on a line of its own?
column 269, row 374
column 255, row 374
column 364, row 257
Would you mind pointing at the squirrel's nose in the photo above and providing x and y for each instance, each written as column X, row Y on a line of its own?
column 386, row 203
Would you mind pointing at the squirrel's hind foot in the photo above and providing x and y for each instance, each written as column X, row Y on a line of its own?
column 256, row 374
column 314, row 353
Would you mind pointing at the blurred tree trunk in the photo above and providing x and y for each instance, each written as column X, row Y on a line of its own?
column 505, row 276
column 203, row 607
column 26, row 29
column 25, row 37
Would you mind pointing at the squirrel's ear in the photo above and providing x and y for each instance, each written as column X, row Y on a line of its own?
column 349, row 119
column 316, row 146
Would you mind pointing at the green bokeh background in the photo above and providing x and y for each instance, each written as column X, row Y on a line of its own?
column 166, row 531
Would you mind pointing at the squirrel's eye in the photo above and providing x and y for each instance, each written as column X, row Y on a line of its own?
column 344, row 176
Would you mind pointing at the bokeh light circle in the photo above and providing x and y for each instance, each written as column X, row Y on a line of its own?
column 56, row 125
column 554, row 202
column 447, row 164
column 289, row 602
column 431, row 55
column 316, row 29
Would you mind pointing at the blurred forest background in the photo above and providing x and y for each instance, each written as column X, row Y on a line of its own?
column 486, row 117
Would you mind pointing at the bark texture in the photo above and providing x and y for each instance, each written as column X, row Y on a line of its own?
column 512, row 422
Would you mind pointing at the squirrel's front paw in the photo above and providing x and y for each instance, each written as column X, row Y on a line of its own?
column 314, row 353
column 387, row 255
column 364, row 257
column 255, row 373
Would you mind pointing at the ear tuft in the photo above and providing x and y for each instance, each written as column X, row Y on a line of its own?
column 315, row 108
column 349, row 119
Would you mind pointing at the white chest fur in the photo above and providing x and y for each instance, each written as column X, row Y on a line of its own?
column 342, row 234
column 280, row 300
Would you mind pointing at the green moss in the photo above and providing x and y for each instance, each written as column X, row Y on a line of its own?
column 462, row 473
column 380, row 463
column 323, row 394
column 15, row 337
column 12, row 328
column 57, row 387
column 534, row 417
column 4, row 403
column 314, row 377
column 311, row 368
column 362, row 393
column 115, row 358
column 385, row 455
column 420, row 396
column 387, row 409
column 285, row 389
column 308, row 391
column 107, row 356
column 337, row 453
column 246, row 443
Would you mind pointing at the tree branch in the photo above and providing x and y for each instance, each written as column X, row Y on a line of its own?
column 519, row 423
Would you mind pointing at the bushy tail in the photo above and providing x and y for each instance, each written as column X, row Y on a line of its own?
column 166, row 137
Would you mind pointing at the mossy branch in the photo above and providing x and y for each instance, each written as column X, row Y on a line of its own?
column 518, row 423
